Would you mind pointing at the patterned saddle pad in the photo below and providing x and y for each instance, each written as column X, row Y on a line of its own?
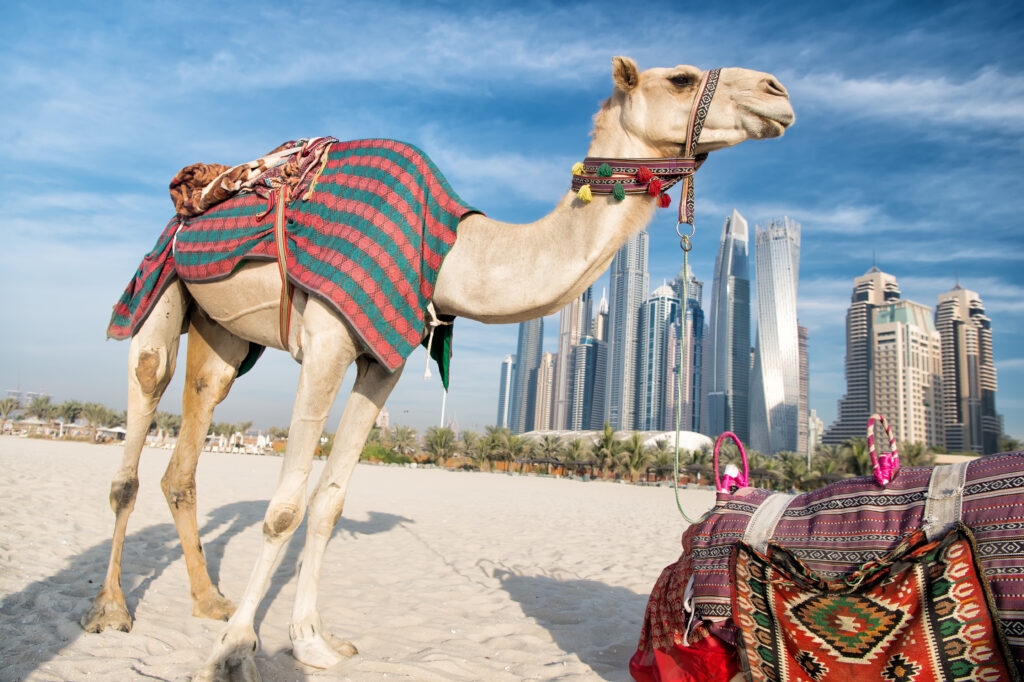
column 920, row 613
column 369, row 239
column 834, row 531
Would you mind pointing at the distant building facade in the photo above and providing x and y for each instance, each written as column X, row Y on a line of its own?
column 545, row 389
column 524, row 391
column 507, row 376
column 656, row 345
column 968, row 401
column 727, row 353
column 574, row 322
column 629, row 282
column 775, row 416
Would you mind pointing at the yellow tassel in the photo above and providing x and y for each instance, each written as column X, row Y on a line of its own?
column 584, row 194
column 577, row 168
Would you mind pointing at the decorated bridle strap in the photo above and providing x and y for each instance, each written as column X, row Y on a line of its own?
column 619, row 177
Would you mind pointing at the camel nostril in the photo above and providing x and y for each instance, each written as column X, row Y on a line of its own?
column 774, row 87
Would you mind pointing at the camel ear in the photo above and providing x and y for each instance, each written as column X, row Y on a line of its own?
column 625, row 73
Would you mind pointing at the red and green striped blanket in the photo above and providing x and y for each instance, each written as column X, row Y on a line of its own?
column 369, row 240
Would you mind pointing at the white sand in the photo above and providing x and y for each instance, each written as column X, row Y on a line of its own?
column 433, row 575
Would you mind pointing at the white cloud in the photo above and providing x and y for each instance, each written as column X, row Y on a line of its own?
column 991, row 99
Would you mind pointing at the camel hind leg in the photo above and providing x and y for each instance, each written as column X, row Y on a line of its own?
column 214, row 355
column 152, row 354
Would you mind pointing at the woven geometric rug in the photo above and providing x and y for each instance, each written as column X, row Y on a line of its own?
column 923, row 612
column 369, row 240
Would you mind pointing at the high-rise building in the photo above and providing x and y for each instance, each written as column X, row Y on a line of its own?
column 599, row 326
column 524, row 389
column 573, row 323
column 870, row 290
column 906, row 357
column 589, row 377
column 971, row 422
column 727, row 353
column 815, row 429
column 628, row 289
column 691, row 325
column 543, row 408
column 775, row 381
column 508, row 372
column 803, row 437
column 655, row 345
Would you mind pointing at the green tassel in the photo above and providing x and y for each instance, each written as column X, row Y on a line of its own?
column 618, row 191
column 605, row 171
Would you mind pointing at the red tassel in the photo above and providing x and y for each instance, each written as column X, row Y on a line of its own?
column 654, row 188
column 643, row 174
column 664, row 200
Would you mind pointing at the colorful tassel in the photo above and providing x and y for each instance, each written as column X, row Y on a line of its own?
column 584, row 194
column 618, row 191
column 664, row 200
column 604, row 171
column 643, row 174
column 577, row 168
column 654, row 188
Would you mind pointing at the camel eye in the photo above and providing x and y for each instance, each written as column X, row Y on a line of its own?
column 681, row 81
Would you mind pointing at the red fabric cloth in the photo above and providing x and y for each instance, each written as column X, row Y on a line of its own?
column 661, row 654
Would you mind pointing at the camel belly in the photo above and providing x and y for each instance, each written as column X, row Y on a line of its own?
column 247, row 303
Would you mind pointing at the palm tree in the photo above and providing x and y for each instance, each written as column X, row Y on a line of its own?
column 42, row 409
column 440, row 443
column 795, row 474
column 518, row 449
column 69, row 411
column 94, row 414
column 549, row 448
column 1009, row 444
column 607, row 448
column 498, row 437
column 634, row 457
column 858, row 461
column 575, row 452
column 167, row 424
column 916, row 455
column 403, row 440
column 7, row 408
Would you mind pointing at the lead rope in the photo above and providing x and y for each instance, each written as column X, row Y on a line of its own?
column 685, row 245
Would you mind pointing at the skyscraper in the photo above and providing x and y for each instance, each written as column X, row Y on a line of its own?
column 691, row 325
column 906, row 357
column 573, row 323
column 655, row 344
column 508, row 372
column 524, row 389
column 775, row 384
column 628, row 290
column 968, row 373
column 589, row 377
column 803, row 437
column 545, row 386
column 727, row 353
column 872, row 289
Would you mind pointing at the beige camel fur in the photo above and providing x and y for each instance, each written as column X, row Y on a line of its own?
column 494, row 273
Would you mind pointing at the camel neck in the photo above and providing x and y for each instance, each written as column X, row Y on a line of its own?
column 501, row 272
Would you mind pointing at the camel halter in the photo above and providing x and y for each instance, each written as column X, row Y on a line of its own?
column 655, row 177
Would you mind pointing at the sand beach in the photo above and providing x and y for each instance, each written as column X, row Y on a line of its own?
column 432, row 574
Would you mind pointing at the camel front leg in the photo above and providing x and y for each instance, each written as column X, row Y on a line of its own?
column 214, row 355
column 311, row 643
column 152, row 354
column 328, row 351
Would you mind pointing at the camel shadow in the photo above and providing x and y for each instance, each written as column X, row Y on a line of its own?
column 48, row 610
column 599, row 623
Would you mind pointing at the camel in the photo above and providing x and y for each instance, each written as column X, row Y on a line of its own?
column 495, row 273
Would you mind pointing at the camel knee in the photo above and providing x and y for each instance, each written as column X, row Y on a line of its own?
column 179, row 493
column 153, row 371
column 122, row 494
column 281, row 520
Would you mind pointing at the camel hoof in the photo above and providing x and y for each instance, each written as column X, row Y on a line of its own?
column 107, row 613
column 322, row 651
column 216, row 607
column 233, row 658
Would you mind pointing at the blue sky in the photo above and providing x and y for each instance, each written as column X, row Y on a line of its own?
column 908, row 145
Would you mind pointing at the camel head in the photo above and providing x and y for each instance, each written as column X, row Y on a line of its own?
column 649, row 111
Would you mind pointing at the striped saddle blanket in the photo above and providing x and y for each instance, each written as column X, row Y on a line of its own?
column 367, row 234
column 834, row 531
